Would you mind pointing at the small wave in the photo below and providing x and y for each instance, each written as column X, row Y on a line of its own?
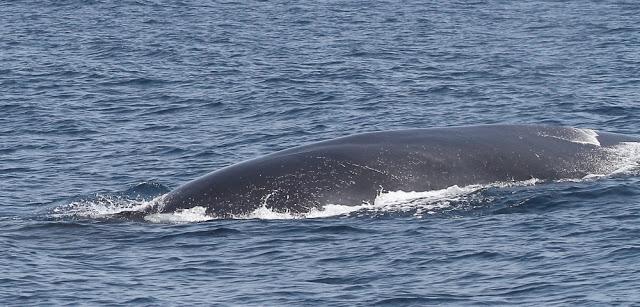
column 207, row 232
column 339, row 229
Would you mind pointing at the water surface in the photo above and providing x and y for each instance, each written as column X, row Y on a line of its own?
column 107, row 104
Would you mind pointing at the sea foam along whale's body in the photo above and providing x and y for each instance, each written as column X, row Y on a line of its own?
column 355, row 169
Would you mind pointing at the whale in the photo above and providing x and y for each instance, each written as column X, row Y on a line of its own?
column 353, row 170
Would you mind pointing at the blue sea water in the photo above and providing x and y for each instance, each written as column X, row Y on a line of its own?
column 108, row 104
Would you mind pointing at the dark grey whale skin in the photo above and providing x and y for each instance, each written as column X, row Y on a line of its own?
column 354, row 169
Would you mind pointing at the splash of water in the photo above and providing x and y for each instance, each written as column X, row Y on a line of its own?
column 103, row 206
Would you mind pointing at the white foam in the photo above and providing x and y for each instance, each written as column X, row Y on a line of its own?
column 198, row 214
column 334, row 210
column 330, row 210
column 428, row 201
column 265, row 213
column 395, row 198
column 191, row 215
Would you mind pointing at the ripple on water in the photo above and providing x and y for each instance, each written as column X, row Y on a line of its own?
column 107, row 105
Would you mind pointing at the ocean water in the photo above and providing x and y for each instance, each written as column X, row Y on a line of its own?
column 106, row 105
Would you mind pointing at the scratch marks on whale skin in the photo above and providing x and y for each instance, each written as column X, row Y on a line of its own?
column 366, row 167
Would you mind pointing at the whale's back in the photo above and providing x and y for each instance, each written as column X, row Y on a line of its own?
column 354, row 169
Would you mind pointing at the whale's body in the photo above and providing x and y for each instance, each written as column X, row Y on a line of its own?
column 354, row 169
